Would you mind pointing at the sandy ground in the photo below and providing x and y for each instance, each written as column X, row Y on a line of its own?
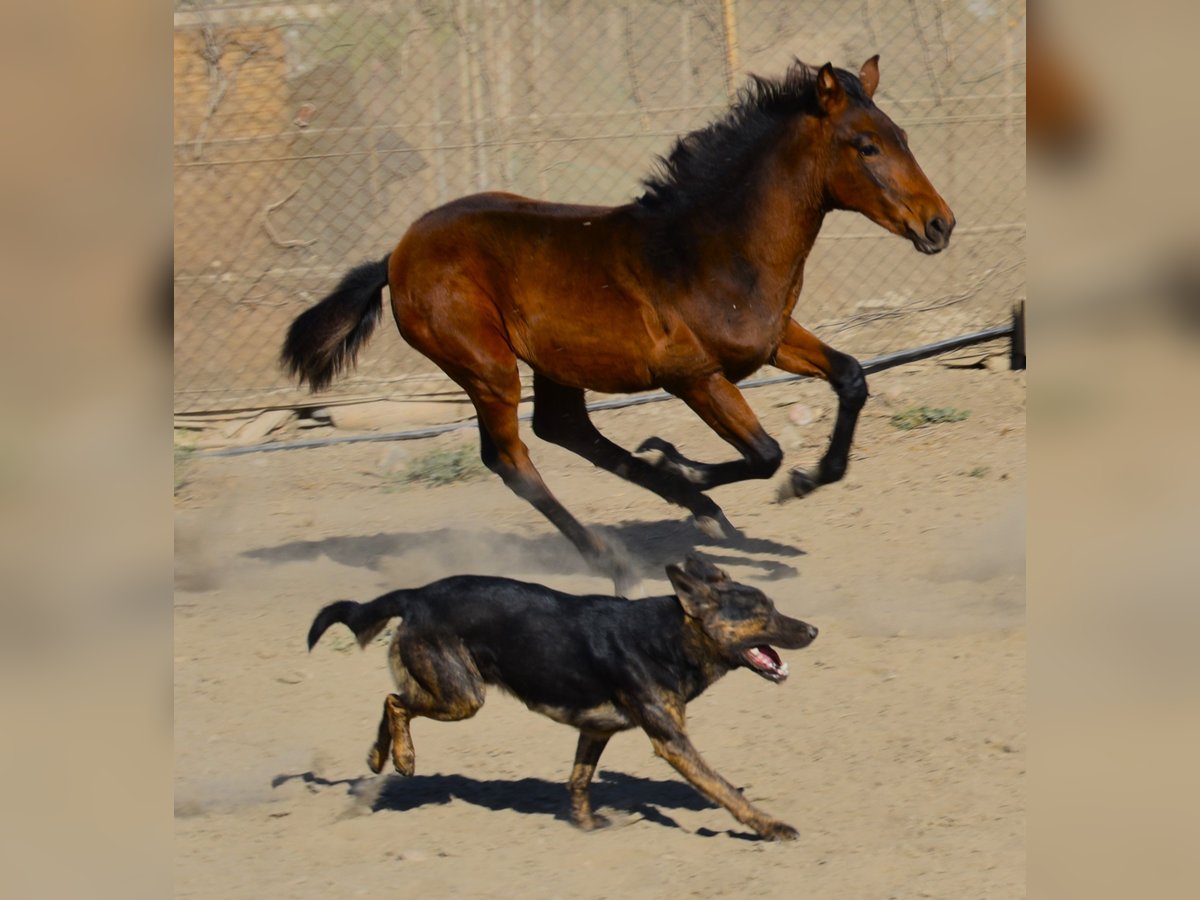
column 897, row 746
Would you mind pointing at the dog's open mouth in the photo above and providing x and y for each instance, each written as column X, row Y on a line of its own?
column 766, row 662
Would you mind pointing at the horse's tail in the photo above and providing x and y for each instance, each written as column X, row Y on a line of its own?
column 325, row 339
column 365, row 619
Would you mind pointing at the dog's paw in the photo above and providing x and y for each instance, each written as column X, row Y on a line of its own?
column 593, row 822
column 404, row 763
column 375, row 760
column 778, row 831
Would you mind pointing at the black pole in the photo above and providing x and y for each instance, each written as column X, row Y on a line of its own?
column 1016, row 356
column 888, row 360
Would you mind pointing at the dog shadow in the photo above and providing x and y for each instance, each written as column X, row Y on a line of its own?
column 628, row 795
column 650, row 546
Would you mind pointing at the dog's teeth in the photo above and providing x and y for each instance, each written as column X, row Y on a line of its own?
column 783, row 669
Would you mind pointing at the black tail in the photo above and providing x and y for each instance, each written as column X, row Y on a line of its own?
column 325, row 339
column 365, row 619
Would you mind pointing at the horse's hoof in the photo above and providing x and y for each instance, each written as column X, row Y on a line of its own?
column 716, row 527
column 614, row 561
column 653, row 445
column 656, row 457
column 662, row 455
column 625, row 583
column 709, row 527
column 798, row 483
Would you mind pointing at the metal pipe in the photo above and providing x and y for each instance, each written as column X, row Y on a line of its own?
column 876, row 364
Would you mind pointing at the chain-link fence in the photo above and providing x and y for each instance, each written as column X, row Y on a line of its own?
column 309, row 135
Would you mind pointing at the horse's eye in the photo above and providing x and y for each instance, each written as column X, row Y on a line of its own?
column 868, row 150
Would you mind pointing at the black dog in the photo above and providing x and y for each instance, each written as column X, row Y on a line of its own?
column 601, row 664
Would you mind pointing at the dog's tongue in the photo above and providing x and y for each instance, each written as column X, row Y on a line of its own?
column 766, row 660
column 765, row 655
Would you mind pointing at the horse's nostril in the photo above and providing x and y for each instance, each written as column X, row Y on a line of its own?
column 937, row 229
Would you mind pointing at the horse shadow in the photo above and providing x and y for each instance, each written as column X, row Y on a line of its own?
column 627, row 795
column 650, row 546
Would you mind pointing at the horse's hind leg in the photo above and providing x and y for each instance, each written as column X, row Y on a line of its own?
column 505, row 453
column 494, row 386
column 802, row 353
column 466, row 337
column 560, row 417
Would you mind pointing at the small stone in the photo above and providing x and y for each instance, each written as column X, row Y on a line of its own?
column 261, row 425
column 801, row 414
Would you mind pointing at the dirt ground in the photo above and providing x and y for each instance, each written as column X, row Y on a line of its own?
column 896, row 747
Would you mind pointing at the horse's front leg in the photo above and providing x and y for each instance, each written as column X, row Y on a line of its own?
column 560, row 416
column 802, row 353
column 721, row 405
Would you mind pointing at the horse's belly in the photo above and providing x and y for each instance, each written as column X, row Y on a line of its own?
column 608, row 375
column 599, row 354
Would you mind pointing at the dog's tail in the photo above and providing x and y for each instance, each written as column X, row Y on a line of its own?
column 366, row 620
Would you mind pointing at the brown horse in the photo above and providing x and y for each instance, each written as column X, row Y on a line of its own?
column 690, row 288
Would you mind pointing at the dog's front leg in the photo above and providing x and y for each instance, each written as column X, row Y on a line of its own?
column 679, row 752
column 587, row 754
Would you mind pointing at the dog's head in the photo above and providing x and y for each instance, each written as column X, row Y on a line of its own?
column 740, row 620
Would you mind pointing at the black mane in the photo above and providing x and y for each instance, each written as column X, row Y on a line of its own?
column 706, row 166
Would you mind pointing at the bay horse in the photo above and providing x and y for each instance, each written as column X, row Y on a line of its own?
column 690, row 288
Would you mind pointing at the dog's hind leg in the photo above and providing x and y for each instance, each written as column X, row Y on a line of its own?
column 435, row 681
column 383, row 742
column 587, row 754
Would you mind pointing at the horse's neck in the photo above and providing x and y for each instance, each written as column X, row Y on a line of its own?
column 787, row 216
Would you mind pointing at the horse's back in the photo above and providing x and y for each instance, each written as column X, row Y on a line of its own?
column 517, row 265
column 500, row 203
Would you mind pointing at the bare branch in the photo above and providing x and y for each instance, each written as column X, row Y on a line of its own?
column 272, row 233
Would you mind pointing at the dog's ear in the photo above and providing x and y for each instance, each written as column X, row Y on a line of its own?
column 698, row 567
column 694, row 594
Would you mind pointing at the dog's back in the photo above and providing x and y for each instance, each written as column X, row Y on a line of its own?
column 550, row 649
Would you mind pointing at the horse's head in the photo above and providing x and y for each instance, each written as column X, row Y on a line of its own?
column 871, row 169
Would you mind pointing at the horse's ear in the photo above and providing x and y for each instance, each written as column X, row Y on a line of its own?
column 830, row 95
column 869, row 75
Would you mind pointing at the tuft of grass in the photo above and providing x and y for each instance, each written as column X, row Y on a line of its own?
column 920, row 416
column 443, row 467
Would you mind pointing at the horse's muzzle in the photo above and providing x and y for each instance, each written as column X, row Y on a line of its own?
column 937, row 234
